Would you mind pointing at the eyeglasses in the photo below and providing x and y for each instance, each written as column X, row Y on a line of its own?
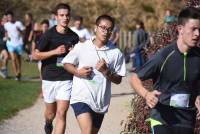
column 105, row 29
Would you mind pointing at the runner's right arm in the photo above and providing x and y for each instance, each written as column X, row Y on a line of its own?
column 42, row 52
column 151, row 97
column 45, row 55
column 149, row 70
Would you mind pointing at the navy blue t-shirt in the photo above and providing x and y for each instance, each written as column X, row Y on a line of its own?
column 174, row 73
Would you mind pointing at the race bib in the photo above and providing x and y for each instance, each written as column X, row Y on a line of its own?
column 180, row 100
column 58, row 62
column 96, row 80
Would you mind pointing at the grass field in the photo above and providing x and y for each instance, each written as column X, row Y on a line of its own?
column 17, row 95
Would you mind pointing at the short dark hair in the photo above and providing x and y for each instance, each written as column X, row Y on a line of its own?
column 61, row 6
column 141, row 24
column 30, row 15
column 78, row 18
column 45, row 21
column 188, row 13
column 105, row 17
column 9, row 13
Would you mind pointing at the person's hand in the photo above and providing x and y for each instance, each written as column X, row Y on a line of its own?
column 60, row 50
column 152, row 98
column 84, row 72
column 33, row 55
column 101, row 66
column 197, row 104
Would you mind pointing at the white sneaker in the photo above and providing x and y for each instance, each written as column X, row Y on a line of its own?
column 2, row 74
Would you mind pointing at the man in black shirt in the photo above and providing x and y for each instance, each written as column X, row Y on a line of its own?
column 3, row 49
column 53, row 46
column 175, row 71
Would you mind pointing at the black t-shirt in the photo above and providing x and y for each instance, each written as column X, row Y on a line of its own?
column 36, row 36
column 51, row 67
column 2, row 35
column 28, row 29
column 174, row 73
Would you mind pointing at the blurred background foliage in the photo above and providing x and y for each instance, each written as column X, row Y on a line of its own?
column 126, row 12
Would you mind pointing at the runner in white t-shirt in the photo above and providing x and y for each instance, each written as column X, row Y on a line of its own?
column 95, row 64
column 82, row 32
column 14, row 42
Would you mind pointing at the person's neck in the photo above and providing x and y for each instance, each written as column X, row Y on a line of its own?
column 61, row 29
column 78, row 28
column 12, row 21
column 98, row 43
column 183, row 48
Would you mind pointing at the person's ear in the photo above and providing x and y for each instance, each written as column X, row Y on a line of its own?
column 95, row 29
column 180, row 29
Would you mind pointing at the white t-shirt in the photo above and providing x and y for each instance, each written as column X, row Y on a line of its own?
column 52, row 22
column 96, row 91
column 82, row 33
column 13, row 33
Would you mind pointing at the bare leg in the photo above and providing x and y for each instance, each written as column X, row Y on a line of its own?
column 5, row 58
column 14, row 62
column 85, row 123
column 18, row 62
column 62, row 107
column 50, row 113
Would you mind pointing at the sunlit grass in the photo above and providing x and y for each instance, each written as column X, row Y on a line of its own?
column 17, row 95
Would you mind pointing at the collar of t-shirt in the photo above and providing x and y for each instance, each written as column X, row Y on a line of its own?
column 107, row 46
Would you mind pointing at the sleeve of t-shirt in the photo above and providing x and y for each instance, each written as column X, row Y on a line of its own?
column 42, row 44
column 151, row 69
column 120, row 66
column 76, row 39
column 73, row 56
column 20, row 25
column 5, row 26
column 87, row 34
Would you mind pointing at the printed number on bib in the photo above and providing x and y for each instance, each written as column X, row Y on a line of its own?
column 96, row 80
column 58, row 62
column 180, row 100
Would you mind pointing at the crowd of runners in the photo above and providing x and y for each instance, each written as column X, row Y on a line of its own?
column 77, row 68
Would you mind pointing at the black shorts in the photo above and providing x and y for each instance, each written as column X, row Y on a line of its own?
column 163, row 129
column 80, row 108
column 3, row 46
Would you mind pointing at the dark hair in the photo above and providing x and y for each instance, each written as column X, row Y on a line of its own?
column 9, row 13
column 188, row 13
column 61, row 6
column 141, row 24
column 105, row 17
column 45, row 21
column 78, row 18
column 30, row 15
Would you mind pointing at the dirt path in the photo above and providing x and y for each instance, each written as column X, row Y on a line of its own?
column 31, row 121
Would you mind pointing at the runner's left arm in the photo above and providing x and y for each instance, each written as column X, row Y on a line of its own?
column 112, row 76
